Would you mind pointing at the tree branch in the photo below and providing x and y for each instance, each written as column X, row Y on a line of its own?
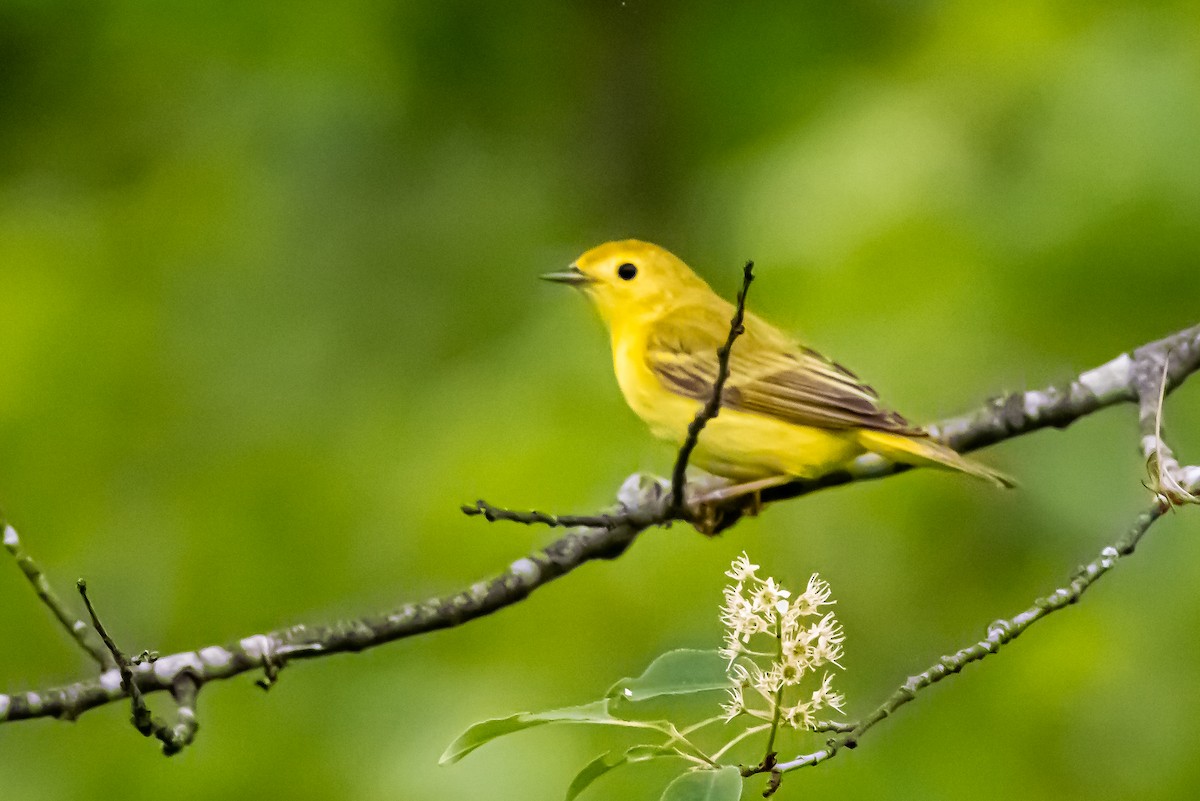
column 640, row 500
column 999, row 634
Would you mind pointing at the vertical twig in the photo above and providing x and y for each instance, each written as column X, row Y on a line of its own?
column 184, row 689
column 1166, row 475
column 142, row 720
column 175, row 738
column 713, row 406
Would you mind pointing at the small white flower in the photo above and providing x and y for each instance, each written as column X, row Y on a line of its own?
column 815, row 595
column 768, row 595
column 740, row 676
column 742, row 570
column 736, row 705
column 799, row 716
column 732, row 648
column 823, row 641
column 792, row 671
column 739, row 616
column 824, row 696
column 767, row 682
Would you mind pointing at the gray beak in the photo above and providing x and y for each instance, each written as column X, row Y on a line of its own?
column 572, row 275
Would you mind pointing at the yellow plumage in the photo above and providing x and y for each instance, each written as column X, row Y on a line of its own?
column 786, row 411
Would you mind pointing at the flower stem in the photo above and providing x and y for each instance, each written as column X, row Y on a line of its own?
column 752, row 730
column 679, row 737
column 701, row 724
column 777, row 703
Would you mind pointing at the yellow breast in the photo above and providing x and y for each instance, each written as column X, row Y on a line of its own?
column 666, row 413
column 738, row 445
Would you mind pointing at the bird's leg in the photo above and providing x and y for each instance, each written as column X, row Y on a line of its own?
column 732, row 491
column 711, row 512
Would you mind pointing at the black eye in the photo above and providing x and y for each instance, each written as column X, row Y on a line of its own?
column 627, row 271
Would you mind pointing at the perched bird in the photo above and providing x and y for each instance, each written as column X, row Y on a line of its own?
column 786, row 411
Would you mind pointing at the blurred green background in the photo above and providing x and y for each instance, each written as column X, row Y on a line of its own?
column 268, row 314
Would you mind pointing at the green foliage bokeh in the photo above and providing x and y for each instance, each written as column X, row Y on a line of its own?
column 268, row 315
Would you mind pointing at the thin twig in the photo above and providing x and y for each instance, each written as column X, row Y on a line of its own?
column 713, row 405
column 175, row 738
column 184, row 688
column 1168, row 480
column 534, row 517
column 142, row 720
column 773, row 783
column 79, row 631
column 835, row 726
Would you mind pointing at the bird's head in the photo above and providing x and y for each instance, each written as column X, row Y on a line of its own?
column 629, row 278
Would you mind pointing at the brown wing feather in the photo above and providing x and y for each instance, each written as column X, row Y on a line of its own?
column 768, row 374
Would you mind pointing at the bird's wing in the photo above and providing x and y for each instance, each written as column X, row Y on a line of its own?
column 768, row 374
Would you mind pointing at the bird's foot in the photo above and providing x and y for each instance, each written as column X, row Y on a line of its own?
column 733, row 491
column 713, row 511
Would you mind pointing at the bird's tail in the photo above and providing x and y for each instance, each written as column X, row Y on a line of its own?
column 927, row 452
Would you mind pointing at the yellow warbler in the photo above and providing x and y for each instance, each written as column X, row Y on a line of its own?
column 786, row 411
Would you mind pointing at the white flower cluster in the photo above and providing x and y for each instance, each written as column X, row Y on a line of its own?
column 804, row 640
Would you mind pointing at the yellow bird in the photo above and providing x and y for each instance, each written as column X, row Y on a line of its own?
column 786, row 411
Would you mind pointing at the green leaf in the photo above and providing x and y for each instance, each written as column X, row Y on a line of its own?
column 706, row 785
column 488, row 730
column 615, row 759
column 675, row 673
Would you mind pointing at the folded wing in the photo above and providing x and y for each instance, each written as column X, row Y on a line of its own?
column 768, row 374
